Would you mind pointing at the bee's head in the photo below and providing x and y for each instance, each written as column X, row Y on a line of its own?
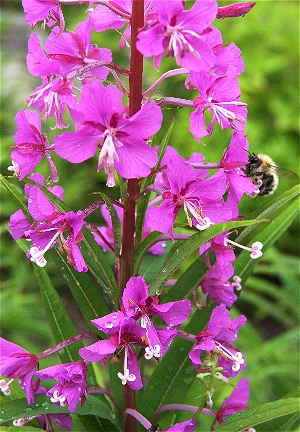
column 253, row 159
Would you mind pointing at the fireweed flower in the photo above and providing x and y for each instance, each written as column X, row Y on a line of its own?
column 48, row 11
column 219, row 96
column 179, row 32
column 124, row 333
column 74, row 50
column 31, row 146
column 123, row 139
column 185, row 426
column 56, row 89
column 104, row 235
column 218, row 290
column 201, row 199
column 219, row 333
column 16, row 362
column 71, row 386
column 137, row 304
column 50, row 227
column 236, row 402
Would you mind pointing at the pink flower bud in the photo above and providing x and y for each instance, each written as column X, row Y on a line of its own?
column 235, row 10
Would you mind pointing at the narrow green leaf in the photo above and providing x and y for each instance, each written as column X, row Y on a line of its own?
column 16, row 194
column 142, row 249
column 61, row 325
column 270, row 206
column 93, row 406
column 187, row 282
column 186, row 248
column 89, row 299
column 260, row 415
column 244, row 265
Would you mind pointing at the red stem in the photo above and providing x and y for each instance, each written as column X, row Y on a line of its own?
column 135, row 98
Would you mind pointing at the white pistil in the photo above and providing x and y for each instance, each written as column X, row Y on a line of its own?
column 206, row 223
column 5, row 386
column 236, row 358
column 126, row 376
column 152, row 352
column 255, row 248
column 37, row 256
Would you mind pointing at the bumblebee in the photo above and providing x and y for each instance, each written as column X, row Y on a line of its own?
column 266, row 172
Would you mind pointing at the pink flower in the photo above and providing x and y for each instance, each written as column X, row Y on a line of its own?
column 71, row 385
column 123, row 139
column 179, row 33
column 220, row 97
column 201, row 199
column 220, row 332
column 31, row 146
column 73, row 50
column 16, row 362
column 48, row 11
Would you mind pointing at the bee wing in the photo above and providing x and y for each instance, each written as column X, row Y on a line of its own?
column 284, row 173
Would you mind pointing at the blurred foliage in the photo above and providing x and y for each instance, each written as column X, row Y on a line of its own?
column 268, row 38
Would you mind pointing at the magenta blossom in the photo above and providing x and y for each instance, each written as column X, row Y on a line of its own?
column 73, row 50
column 123, row 139
column 220, row 97
column 56, row 90
column 31, row 146
column 218, row 290
column 16, row 362
column 49, row 227
column 185, row 426
column 179, row 32
column 219, row 333
column 124, row 333
column 201, row 199
column 137, row 304
column 236, row 402
column 48, row 11
column 71, row 387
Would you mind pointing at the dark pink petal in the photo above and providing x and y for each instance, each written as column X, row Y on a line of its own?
column 173, row 313
column 18, row 224
column 98, row 351
column 78, row 146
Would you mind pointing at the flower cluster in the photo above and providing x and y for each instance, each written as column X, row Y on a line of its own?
column 78, row 78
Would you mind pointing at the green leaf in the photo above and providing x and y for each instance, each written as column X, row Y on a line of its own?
column 186, row 248
column 61, row 325
column 16, row 194
column 244, row 265
column 187, row 281
column 93, row 406
column 260, row 415
column 89, row 299
column 142, row 249
column 269, row 207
